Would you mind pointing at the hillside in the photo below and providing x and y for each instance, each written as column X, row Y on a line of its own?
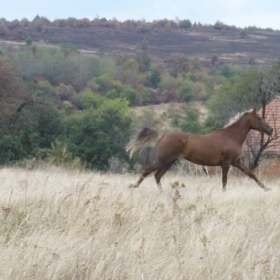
column 54, row 94
column 231, row 45
column 164, row 113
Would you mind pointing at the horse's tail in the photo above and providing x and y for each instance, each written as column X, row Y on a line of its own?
column 145, row 138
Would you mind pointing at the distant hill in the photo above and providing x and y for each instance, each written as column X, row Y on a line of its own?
column 230, row 45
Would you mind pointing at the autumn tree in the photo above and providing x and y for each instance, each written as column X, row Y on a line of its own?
column 12, row 92
column 27, row 121
column 179, row 64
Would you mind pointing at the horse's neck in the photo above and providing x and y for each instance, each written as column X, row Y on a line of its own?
column 239, row 131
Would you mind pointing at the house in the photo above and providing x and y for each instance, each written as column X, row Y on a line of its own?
column 272, row 117
column 270, row 159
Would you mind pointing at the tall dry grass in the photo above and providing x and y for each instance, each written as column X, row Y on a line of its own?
column 57, row 224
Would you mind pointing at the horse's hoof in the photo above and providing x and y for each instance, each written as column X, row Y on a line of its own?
column 132, row 186
column 267, row 189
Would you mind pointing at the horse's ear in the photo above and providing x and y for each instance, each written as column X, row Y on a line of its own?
column 254, row 110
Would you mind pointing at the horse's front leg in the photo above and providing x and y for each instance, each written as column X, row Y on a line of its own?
column 240, row 165
column 225, row 168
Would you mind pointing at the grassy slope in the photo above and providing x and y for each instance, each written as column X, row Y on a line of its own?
column 58, row 224
column 164, row 113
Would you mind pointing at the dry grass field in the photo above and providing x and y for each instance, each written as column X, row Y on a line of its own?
column 59, row 224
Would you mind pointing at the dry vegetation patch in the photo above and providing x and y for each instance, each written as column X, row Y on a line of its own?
column 58, row 224
column 164, row 113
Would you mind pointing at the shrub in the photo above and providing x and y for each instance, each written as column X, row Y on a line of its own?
column 186, row 93
column 28, row 41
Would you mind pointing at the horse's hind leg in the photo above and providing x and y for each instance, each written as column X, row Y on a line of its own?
column 160, row 172
column 225, row 168
column 240, row 165
column 146, row 172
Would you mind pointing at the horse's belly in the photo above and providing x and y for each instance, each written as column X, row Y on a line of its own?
column 210, row 162
column 209, row 159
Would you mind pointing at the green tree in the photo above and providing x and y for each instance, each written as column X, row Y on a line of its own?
column 254, row 89
column 88, row 99
column 142, row 57
column 28, row 41
column 153, row 79
column 103, row 83
column 13, row 92
column 86, row 68
column 186, row 93
column 68, row 49
column 234, row 95
column 186, row 23
column 130, row 94
column 196, row 64
column 11, row 148
column 190, row 122
column 26, row 64
column 28, row 120
column 55, row 68
column 34, row 129
column 111, row 88
column 229, row 71
column 97, row 134
column 268, row 87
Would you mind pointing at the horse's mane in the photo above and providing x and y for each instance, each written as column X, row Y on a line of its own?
column 236, row 118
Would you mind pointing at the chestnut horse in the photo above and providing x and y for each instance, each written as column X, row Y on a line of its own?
column 222, row 147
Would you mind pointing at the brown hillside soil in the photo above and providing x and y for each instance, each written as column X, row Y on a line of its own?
column 259, row 47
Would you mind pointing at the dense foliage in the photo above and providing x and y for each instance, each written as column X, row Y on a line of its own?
column 60, row 106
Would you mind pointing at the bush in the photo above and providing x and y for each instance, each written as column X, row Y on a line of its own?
column 229, row 71
column 186, row 93
column 28, row 41
column 190, row 122
column 100, row 133
column 153, row 78
column 87, row 99
column 170, row 83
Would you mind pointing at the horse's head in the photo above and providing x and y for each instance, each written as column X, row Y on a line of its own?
column 258, row 123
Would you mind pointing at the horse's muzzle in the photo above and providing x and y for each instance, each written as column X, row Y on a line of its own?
column 269, row 131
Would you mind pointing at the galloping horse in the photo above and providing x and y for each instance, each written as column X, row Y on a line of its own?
column 222, row 147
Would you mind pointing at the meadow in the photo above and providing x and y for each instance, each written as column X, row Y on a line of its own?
column 65, row 224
